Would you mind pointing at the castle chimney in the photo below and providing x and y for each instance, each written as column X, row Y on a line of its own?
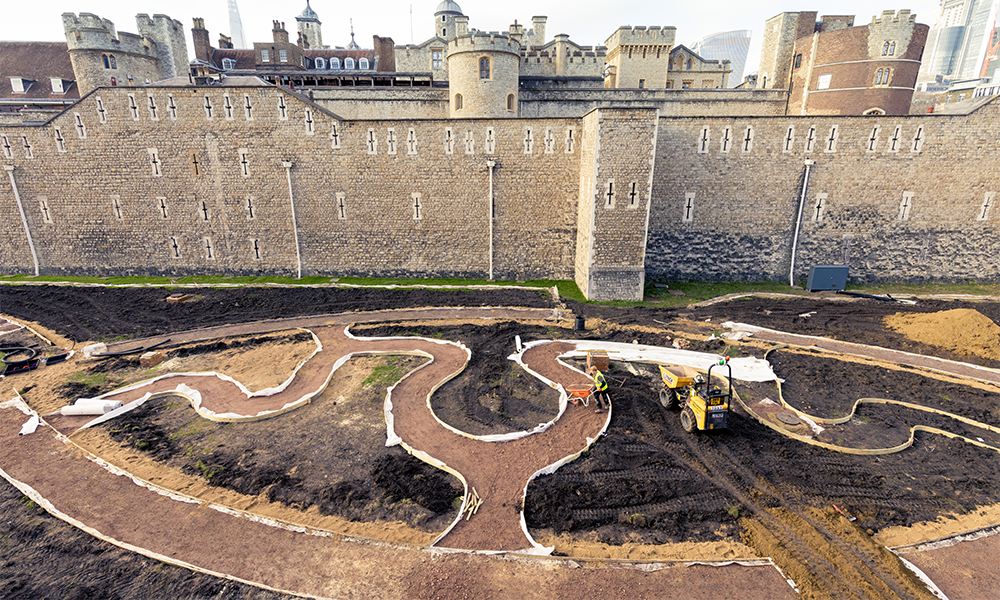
column 199, row 36
column 280, row 35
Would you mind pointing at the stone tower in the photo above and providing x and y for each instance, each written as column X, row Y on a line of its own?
column 444, row 20
column 310, row 27
column 638, row 57
column 778, row 46
column 103, row 57
column 483, row 75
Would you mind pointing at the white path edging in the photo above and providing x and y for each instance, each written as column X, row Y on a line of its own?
column 195, row 398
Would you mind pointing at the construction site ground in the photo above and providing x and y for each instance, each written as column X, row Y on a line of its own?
column 646, row 493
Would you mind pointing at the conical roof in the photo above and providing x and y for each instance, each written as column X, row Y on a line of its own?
column 308, row 14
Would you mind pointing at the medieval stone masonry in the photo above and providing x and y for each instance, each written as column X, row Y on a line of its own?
column 209, row 179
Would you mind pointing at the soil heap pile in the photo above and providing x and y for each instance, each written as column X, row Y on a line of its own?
column 962, row 331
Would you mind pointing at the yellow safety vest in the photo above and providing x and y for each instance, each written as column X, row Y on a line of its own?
column 599, row 382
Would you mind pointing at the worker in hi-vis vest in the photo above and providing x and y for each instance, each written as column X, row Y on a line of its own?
column 600, row 389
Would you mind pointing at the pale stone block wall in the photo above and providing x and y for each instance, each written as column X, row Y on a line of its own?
column 615, row 204
column 385, row 197
column 483, row 97
column 746, row 203
column 384, row 103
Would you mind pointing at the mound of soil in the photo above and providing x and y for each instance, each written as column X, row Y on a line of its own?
column 961, row 330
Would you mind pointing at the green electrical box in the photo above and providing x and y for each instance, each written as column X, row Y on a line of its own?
column 827, row 277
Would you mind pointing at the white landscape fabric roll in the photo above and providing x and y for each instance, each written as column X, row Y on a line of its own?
column 90, row 406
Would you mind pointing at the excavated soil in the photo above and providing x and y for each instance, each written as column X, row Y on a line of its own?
column 857, row 320
column 962, row 331
column 647, row 482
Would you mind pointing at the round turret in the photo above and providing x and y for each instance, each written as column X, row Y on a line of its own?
column 483, row 75
column 448, row 7
column 444, row 20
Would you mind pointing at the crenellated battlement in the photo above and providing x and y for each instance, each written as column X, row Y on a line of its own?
column 484, row 42
column 102, row 56
column 90, row 32
column 888, row 16
column 642, row 35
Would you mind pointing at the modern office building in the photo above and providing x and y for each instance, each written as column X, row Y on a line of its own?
column 960, row 43
column 727, row 45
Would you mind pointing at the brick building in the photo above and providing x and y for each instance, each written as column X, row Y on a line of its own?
column 832, row 67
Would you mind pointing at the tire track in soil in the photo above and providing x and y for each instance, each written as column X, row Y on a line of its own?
column 825, row 555
column 818, row 559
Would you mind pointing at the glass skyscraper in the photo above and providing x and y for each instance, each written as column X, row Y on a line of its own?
column 727, row 45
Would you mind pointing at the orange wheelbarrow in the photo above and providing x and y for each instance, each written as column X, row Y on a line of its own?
column 580, row 392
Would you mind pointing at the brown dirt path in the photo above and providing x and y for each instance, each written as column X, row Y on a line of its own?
column 331, row 567
column 966, row 570
column 498, row 472
column 414, row 314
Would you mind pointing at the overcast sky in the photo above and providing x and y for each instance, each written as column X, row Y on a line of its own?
column 586, row 21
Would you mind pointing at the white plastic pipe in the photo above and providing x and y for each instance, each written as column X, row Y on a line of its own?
column 86, row 409
column 24, row 220
column 798, row 223
column 113, row 404
column 295, row 226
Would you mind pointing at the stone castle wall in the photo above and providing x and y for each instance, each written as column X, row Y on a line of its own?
column 545, row 63
column 614, row 203
column 193, row 180
column 384, row 198
column 873, row 203
column 158, row 53
column 383, row 103
column 570, row 102
column 780, row 33
column 483, row 96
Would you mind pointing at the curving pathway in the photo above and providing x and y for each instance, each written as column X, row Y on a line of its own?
column 330, row 566
column 499, row 472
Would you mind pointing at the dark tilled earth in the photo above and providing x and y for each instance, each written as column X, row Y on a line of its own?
column 647, row 479
column 856, row 320
column 85, row 313
column 44, row 557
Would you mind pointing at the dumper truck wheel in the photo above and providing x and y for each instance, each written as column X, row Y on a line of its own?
column 688, row 422
column 668, row 398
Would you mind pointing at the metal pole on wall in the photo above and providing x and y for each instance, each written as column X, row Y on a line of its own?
column 295, row 227
column 798, row 223
column 24, row 220
column 491, row 164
